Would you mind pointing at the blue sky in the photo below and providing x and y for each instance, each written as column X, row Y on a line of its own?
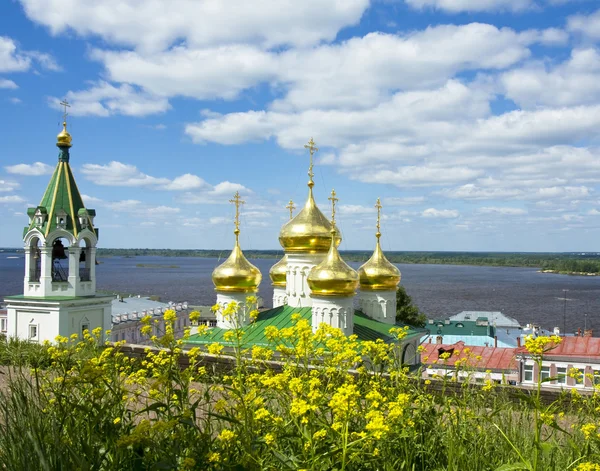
column 477, row 122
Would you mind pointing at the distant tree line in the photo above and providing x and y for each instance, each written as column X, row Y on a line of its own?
column 567, row 262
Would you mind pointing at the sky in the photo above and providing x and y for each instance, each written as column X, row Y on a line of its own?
column 477, row 122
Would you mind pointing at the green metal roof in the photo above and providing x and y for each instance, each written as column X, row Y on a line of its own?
column 281, row 317
column 461, row 327
column 61, row 195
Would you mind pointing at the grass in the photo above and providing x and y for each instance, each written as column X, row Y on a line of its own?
column 89, row 406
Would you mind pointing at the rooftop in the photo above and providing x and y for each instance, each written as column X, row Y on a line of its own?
column 494, row 317
column 281, row 317
column 482, row 358
column 577, row 347
column 136, row 307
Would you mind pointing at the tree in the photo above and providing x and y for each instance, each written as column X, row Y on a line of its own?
column 406, row 312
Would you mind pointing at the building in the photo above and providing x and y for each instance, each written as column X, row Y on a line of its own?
column 128, row 312
column 573, row 363
column 478, row 364
column 313, row 281
column 59, row 288
column 481, row 329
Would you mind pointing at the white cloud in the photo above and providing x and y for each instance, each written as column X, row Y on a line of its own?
column 505, row 211
column 456, row 6
column 574, row 82
column 226, row 188
column 219, row 220
column 11, row 199
column 386, row 63
column 355, row 209
column 35, row 169
column 15, row 100
column 404, row 201
column 120, row 174
column 127, row 175
column 186, row 182
column 5, row 83
column 14, row 59
column 587, row 25
column 104, row 99
column 157, row 25
column 440, row 213
column 6, row 185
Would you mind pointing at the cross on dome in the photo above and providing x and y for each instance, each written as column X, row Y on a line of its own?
column 333, row 200
column 312, row 148
column 378, row 206
column 65, row 104
column 291, row 207
column 238, row 201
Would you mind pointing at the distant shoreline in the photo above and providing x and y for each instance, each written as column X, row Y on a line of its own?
column 570, row 263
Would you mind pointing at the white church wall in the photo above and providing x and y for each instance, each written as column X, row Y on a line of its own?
column 335, row 311
column 279, row 296
column 378, row 305
column 298, row 268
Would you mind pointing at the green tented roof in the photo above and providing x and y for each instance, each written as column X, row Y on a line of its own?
column 281, row 317
column 61, row 195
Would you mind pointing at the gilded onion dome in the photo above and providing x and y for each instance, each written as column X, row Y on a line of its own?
column 333, row 277
column 64, row 138
column 378, row 274
column 236, row 274
column 278, row 272
column 310, row 231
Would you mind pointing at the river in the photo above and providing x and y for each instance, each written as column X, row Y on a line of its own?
column 438, row 290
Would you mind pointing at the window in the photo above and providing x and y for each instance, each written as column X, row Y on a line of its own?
column 33, row 332
column 528, row 373
column 580, row 378
column 85, row 327
column 3, row 324
column 596, row 377
column 544, row 373
column 561, row 375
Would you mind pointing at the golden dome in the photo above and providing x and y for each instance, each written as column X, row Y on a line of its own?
column 310, row 231
column 333, row 277
column 64, row 138
column 378, row 274
column 278, row 272
column 236, row 274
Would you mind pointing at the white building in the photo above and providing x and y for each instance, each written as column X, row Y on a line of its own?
column 59, row 288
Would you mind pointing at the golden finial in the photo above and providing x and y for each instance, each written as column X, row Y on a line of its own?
column 291, row 207
column 238, row 201
column 378, row 206
column 333, row 200
column 64, row 138
column 312, row 149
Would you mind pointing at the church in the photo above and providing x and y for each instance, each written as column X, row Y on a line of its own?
column 311, row 280
column 59, row 287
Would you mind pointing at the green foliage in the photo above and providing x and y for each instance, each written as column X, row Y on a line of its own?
column 406, row 312
column 94, row 408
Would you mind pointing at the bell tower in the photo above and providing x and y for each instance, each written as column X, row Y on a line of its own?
column 60, row 261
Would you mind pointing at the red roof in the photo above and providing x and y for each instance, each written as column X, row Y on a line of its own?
column 485, row 358
column 577, row 347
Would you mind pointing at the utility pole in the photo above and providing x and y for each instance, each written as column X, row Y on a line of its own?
column 565, row 299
